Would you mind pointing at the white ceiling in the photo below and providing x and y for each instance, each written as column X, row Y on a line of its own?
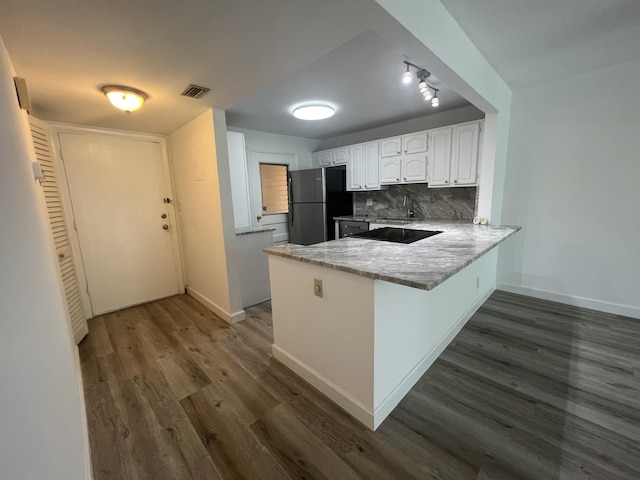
column 536, row 41
column 259, row 57
column 361, row 79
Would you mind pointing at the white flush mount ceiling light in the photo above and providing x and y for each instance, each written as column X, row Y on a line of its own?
column 126, row 99
column 428, row 91
column 313, row 112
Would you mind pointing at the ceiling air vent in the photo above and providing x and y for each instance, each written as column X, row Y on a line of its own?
column 195, row 91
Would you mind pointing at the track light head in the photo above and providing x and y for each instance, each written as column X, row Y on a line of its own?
column 435, row 101
column 406, row 76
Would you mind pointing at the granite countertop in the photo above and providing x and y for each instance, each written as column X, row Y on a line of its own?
column 423, row 264
column 250, row 230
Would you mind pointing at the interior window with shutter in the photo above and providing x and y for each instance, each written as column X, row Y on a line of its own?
column 275, row 192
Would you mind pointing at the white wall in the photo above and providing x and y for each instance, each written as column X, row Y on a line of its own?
column 271, row 143
column 42, row 423
column 573, row 183
column 441, row 119
column 200, row 164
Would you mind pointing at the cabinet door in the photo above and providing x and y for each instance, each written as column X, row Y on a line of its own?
column 354, row 168
column 464, row 159
column 391, row 147
column 390, row 170
column 415, row 143
column 371, row 166
column 414, row 168
column 440, row 157
column 324, row 158
column 339, row 156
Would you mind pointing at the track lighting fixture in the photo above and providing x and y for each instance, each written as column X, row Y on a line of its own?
column 428, row 92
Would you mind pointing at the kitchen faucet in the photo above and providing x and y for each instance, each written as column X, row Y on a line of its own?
column 407, row 202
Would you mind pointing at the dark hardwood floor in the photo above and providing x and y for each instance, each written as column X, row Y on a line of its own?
column 528, row 390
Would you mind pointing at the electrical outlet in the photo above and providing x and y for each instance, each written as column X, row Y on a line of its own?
column 369, row 202
column 317, row 287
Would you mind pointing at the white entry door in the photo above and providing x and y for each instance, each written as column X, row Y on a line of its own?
column 118, row 188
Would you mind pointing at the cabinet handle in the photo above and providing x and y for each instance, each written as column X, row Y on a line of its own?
column 446, row 181
column 455, row 181
column 397, row 179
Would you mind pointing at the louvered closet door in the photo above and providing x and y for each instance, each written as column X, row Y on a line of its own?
column 50, row 188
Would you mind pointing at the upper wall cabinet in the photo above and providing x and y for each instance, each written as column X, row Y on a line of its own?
column 464, row 155
column 330, row 158
column 440, row 157
column 446, row 157
column 453, row 155
column 403, row 159
column 363, row 170
column 405, row 144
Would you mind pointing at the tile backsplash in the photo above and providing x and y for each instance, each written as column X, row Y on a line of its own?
column 458, row 202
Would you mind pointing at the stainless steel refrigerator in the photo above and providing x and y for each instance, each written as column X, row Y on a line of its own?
column 316, row 196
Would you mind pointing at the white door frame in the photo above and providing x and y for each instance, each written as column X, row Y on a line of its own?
column 57, row 128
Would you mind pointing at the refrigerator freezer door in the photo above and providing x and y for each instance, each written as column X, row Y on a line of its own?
column 306, row 223
column 307, row 186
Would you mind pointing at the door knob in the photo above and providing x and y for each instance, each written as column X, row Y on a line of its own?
column 165, row 227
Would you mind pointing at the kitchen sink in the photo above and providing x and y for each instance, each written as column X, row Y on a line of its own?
column 393, row 220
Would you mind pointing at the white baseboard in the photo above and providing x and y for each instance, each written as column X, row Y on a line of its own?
column 348, row 403
column 218, row 310
column 591, row 303
column 393, row 399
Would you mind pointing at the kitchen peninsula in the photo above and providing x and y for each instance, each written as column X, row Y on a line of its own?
column 362, row 320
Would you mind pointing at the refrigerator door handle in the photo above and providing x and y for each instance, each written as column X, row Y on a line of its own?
column 290, row 202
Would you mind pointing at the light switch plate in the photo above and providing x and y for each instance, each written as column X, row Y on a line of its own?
column 317, row 287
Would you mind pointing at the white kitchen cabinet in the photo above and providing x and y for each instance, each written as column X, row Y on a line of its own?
column 440, row 157
column 403, row 159
column 390, row 170
column 339, row 156
column 330, row 158
column 414, row 168
column 415, row 143
column 371, row 165
column 363, row 168
column 464, row 157
column 404, row 169
column 404, row 144
column 355, row 170
column 324, row 158
column 391, row 147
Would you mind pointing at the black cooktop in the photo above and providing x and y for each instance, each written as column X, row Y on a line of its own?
column 397, row 235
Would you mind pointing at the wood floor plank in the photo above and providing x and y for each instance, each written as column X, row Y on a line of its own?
column 236, row 451
column 298, row 449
